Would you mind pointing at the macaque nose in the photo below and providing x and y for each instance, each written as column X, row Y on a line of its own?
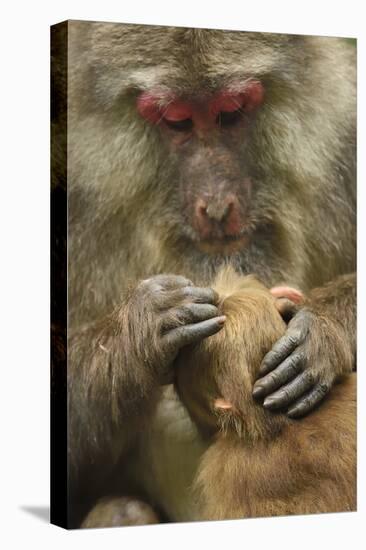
column 216, row 218
column 217, row 211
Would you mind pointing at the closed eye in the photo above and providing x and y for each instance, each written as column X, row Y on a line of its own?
column 229, row 118
column 179, row 125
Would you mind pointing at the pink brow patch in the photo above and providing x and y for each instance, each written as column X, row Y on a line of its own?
column 248, row 99
column 177, row 110
column 226, row 102
column 154, row 108
column 150, row 106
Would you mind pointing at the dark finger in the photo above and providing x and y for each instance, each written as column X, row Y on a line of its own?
column 282, row 349
column 173, row 281
column 189, row 334
column 308, row 402
column 187, row 314
column 290, row 392
column 195, row 294
column 287, row 370
column 167, row 281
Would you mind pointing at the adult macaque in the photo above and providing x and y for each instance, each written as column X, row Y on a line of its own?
column 261, row 463
column 188, row 149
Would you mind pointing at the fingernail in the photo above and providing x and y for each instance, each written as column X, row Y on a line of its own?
column 293, row 412
column 268, row 402
column 221, row 320
column 257, row 390
column 262, row 369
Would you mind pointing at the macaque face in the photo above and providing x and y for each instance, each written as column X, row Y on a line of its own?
column 216, row 377
column 206, row 134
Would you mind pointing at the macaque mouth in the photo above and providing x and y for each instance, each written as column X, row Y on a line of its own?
column 224, row 109
column 226, row 245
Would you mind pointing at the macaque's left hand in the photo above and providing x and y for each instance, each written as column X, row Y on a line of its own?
column 304, row 364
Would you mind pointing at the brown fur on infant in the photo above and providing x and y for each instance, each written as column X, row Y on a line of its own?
column 262, row 463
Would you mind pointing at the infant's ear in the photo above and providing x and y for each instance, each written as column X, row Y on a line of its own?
column 288, row 300
column 222, row 404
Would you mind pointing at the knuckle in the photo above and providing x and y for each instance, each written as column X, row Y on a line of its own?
column 306, row 404
column 323, row 389
column 284, row 396
column 152, row 287
column 181, row 280
column 281, row 348
column 157, row 278
column 186, row 311
column 287, row 395
column 293, row 337
column 145, row 292
column 179, row 316
column 270, row 358
column 205, row 295
column 187, row 292
column 160, row 281
column 307, row 315
column 302, row 359
column 211, row 310
column 302, row 355
column 302, row 321
column 272, row 378
column 144, row 284
column 309, row 377
column 183, row 334
column 266, row 361
column 214, row 296
column 293, row 363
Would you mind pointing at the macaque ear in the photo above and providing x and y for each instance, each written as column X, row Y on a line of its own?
column 222, row 404
column 288, row 300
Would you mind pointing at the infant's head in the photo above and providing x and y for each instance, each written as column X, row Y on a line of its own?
column 215, row 377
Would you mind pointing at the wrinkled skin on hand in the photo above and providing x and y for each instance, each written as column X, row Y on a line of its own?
column 165, row 313
column 305, row 363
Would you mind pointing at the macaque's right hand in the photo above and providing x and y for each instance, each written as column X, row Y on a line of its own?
column 165, row 313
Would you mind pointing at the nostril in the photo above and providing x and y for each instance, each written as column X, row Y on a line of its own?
column 201, row 209
column 217, row 218
column 219, row 211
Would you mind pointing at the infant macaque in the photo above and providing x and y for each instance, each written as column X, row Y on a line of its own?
column 262, row 463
